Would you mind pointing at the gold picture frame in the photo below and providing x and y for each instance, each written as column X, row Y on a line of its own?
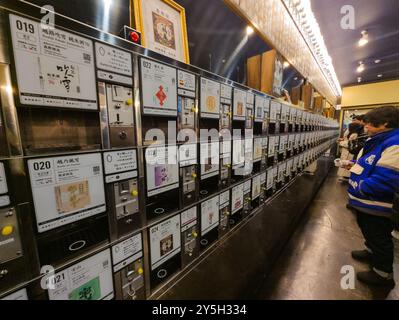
column 168, row 44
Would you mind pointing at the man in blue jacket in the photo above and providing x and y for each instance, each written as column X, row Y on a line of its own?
column 372, row 186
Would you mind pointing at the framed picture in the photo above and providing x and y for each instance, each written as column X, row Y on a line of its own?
column 162, row 24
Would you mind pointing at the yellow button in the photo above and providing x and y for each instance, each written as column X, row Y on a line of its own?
column 195, row 234
column 193, row 109
column 135, row 193
column 129, row 102
column 194, row 175
column 7, row 230
column 140, row 271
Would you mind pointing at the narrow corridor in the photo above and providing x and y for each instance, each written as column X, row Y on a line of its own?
column 310, row 265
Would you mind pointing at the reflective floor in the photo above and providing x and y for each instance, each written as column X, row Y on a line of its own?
column 310, row 265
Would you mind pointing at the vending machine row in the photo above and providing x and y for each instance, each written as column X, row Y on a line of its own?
column 120, row 167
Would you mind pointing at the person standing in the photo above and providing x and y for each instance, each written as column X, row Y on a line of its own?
column 373, row 182
column 394, row 294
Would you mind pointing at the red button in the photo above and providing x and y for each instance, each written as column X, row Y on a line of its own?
column 134, row 36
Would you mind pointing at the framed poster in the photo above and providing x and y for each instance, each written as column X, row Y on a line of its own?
column 163, row 28
column 54, row 68
column 66, row 189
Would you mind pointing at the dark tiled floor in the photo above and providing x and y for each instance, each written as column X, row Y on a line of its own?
column 310, row 265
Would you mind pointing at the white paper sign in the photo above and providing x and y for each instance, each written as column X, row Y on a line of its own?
column 186, row 80
column 66, row 189
column 159, row 88
column 263, row 178
column 90, row 279
column 188, row 217
column 209, row 215
column 224, row 199
column 237, row 198
column 18, row 295
column 120, row 161
column 3, row 180
column 165, row 241
column 256, row 182
column 284, row 112
column 239, row 104
column 162, row 169
column 259, row 108
column 126, row 249
column 238, row 153
column 210, row 99
column 270, row 179
column 209, row 157
column 273, row 142
column 290, row 163
column 250, row 99
column 226, row 92
column 187, row 155
column 113, row 59
column 258, row 149
column 283, row 143
column 54, row 68
column 4, row 201
column 275, row 109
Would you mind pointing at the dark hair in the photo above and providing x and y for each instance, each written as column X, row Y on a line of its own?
column 384, row 115
column 355, row 128
column 359, row 117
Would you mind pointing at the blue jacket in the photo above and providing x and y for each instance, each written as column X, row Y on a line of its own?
column 375, row 176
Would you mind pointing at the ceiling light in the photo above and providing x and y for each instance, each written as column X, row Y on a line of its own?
column 286, row 64
column 361, row 67
column 377, row 61
column 250, row 30
column 359, row 79
column 364, row 39
column 296, row 78
column 379, row 76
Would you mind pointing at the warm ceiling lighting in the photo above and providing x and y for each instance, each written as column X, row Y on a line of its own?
column 379, row 76
column 286, row 64
column 361, row 67
column 364, row 39
column 303, row 16
column 359, row 79
column 377, row 61
column 250, row 30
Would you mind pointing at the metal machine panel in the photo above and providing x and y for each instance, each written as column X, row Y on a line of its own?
column 189, row 236
column 128, row 267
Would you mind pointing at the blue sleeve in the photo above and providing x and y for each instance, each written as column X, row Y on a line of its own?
column 384, row 182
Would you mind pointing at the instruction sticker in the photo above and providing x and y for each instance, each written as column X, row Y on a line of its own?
column 54, row 68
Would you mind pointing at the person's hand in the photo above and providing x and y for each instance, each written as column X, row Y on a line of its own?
column 346, row 164
column 340, row 139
